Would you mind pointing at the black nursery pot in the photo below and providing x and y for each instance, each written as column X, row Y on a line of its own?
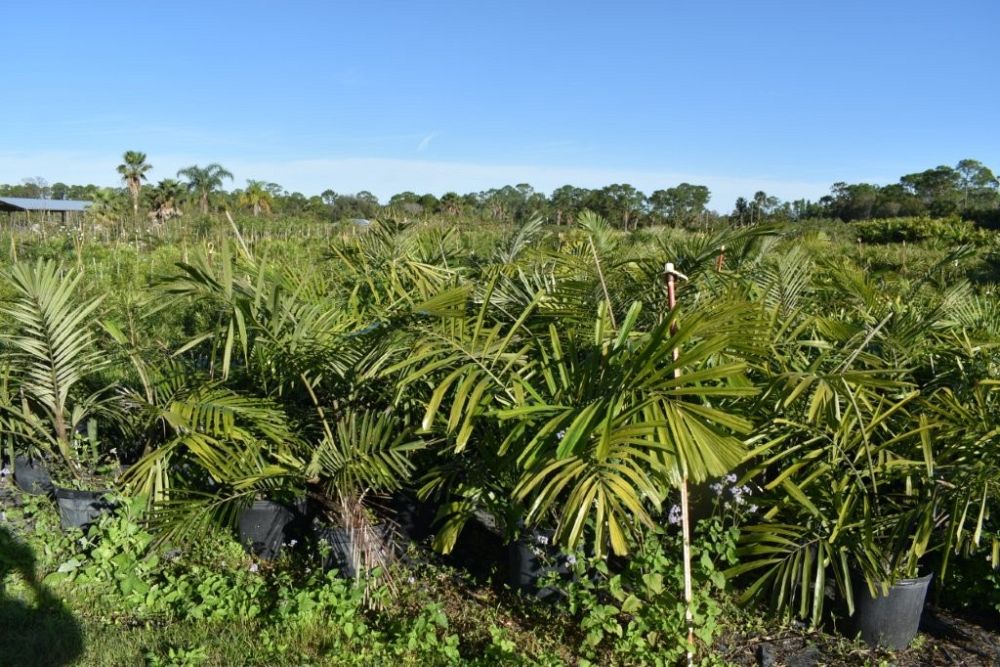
column 341, row 544
column 262, row 528
column 31, row 476
column 891, row 620
column 79, row 509
column 414, row 518
column 531, row 558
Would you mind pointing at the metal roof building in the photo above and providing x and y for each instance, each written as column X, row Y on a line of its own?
column 12, row 204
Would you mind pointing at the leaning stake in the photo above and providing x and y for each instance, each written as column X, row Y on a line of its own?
column 671, row 274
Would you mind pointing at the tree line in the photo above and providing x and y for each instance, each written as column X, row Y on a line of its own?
column 970, row 190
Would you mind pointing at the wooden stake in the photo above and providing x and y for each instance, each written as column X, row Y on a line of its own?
column 672, row 275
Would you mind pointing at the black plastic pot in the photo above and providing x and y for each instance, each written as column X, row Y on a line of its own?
column 532, row 558
column 341, row 545
column 31, row 476
column 414, row 518
column 79, row 509
column 890, row 620
column 262, row 527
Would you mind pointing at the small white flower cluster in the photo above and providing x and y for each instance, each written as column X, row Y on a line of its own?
column 571, row 559
column 253, row 567
column 738, row 494
column 674, row 516
column 561, row 434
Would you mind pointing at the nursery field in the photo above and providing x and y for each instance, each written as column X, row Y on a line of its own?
column 270, row 441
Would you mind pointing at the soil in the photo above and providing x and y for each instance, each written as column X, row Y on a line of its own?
column 945, row 639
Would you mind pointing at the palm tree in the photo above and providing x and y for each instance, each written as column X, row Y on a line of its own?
column 203, row 181
column 165, row 199
column 133, row 171
column 53, row 351
column 108, row 205
column 256, row 197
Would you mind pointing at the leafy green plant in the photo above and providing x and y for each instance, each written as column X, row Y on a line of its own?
column 634, row 615
column 52, row 350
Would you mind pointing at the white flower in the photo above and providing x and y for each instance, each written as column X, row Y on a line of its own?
column 542, row 539
column 253, row 567
column 752, row 509
column 717, row 488
column 4, row 471
column 571, row 559
column 292, row 543
column 561, row 434
column 731, row 478
column 674, row 516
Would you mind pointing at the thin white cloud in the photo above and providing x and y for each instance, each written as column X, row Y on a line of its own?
column 385, row 176
column 425, row 142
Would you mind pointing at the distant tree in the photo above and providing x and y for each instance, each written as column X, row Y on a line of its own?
column 853, row 202
column 620, row 201
column 741, row 211
column 451, row 204
column 295, row 203
column 757, row 205
column 256, row 197
column 406, row 203
column 133, row 172
column 204, row 181
column 35, row 187
column 567, row 202
column 60, row 190
column 938, row 189
column 107, row 204
column 683, row 204
column 978, row 184
column 165, row 199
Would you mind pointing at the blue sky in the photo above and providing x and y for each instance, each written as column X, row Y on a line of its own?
column 788, row 97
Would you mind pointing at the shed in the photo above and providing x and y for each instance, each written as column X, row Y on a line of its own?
column 61, row 206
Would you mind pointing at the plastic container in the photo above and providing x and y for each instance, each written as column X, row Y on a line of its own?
column 79, row 509
column 342, row 547
column 532, row 558
column 31, row 476
column 262, row 528
column 891, row 620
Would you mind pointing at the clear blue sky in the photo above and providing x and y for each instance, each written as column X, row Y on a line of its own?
column 433, row 96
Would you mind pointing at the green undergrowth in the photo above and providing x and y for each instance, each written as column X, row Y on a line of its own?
column 113, row 596
column 210, row 604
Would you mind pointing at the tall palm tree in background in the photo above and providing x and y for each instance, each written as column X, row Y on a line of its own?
column 133, row 171
column 256, row 197
column 203, row 181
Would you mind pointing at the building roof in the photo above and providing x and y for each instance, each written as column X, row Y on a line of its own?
column 57, row 205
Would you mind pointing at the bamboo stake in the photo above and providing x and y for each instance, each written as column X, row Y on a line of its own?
column 671, row 274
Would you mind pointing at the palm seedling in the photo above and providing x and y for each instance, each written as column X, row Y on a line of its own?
column 52, row 351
